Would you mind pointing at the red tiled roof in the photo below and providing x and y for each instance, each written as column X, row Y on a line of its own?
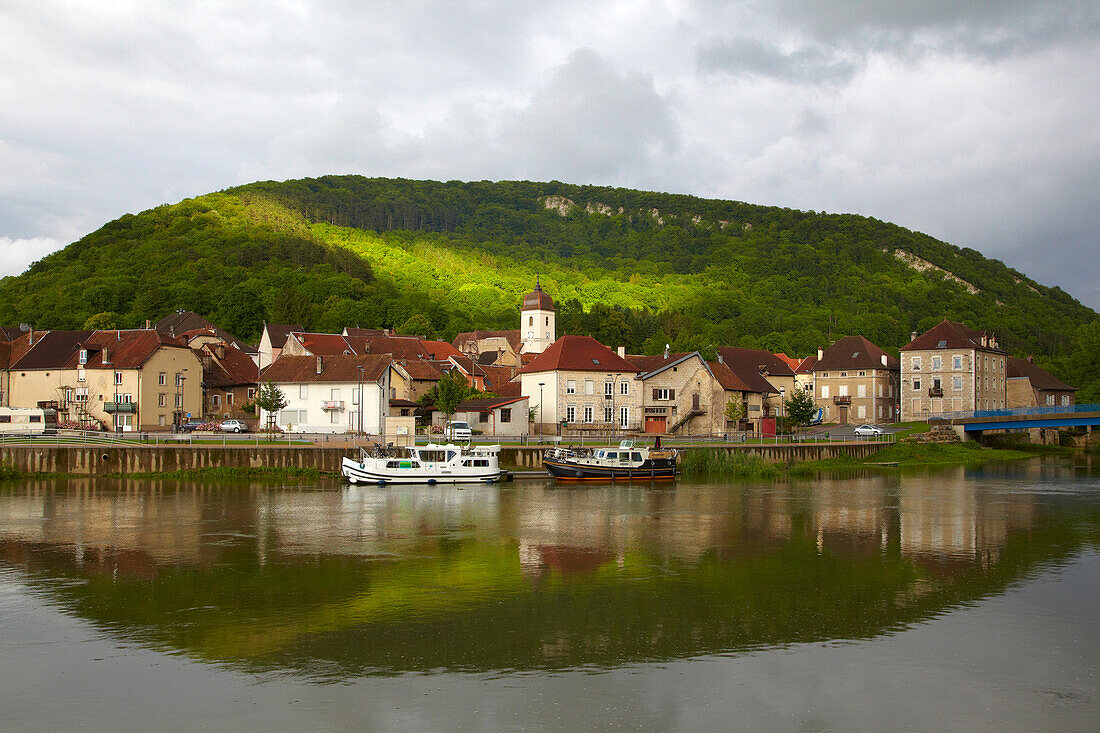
column 125, row 349
column 496, row 376
column 177, row 323
column 855, row 352
column 422, row 370
column 727, row 378
column 951, row 335
column 335, row 368
column 439, row 349
column 1039, row 377
column 360, row 332
column 232, row 367
column 578, row 354
column 508, row 389
column 407, row 347
column 10, row 333
column 746, row 364
column 324, row 344
column 807, row 365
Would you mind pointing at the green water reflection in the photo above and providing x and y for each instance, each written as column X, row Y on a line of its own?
column 332, row 582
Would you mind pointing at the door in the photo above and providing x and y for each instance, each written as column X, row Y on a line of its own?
column 695, row 402
column 655, row 424
column 843, row 414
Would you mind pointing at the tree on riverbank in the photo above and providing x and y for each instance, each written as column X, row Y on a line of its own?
column 270, row 399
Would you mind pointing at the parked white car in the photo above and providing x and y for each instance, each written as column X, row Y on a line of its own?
column 234, row 426
column 458, row 430
column 868, row 431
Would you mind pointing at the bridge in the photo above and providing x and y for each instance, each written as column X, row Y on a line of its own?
column 1022, row 418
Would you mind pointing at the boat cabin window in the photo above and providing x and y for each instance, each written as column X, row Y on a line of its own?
column 612, row 455
column 481, row 463
column 466, row 462
column 624, row 457
column 436, row 456
column 636, row 456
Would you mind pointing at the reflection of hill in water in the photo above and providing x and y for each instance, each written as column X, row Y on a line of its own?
column 338, row 583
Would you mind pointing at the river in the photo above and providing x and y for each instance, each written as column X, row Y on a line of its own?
column 956, row 598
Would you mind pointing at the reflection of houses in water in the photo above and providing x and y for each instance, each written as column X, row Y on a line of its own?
column 939, row 517
column 134, row 529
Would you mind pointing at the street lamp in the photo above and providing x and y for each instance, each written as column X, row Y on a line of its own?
column 541, row 385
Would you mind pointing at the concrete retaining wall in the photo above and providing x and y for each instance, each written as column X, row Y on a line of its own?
column 100, row 460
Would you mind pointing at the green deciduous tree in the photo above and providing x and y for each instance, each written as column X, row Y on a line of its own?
column 99, row 321
column 735, row 410
column 270, row 399
column 800, row 408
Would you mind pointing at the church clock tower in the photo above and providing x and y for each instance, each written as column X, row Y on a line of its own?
column 536, row 321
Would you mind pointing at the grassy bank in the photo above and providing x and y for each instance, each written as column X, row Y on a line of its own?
column 747, row 465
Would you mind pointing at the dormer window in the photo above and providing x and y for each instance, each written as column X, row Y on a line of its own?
column 83, row 356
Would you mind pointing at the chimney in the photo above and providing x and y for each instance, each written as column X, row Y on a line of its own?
column 148, row 324
column 219, row 350
column 30, row 337
column 1029, row 358
column 913, row 336
column 319, row 365
column 106, row 356
column 720, row 358
column 207, row 360
column 666, row 351
column 820, row 354
column 621, row 351
column 884, row 359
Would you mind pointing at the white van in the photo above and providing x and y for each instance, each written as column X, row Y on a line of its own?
column 458, row 430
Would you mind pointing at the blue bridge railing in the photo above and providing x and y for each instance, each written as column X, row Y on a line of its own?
column 1019, row 412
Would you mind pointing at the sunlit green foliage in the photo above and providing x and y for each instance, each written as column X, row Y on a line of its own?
column 439, row 258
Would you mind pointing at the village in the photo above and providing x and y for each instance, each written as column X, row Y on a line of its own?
column 184, row 372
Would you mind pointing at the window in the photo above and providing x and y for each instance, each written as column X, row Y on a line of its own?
column 956, row 362
column 547, row 335
column 162, row 400
column 214, row 401
column 861, row 391
column 162, row 379
column 863, row 374
column 81, row 394
column 179, row 379
column 916, row 384
column 824, row 391
column 571, row 387
column 844, row 374
column 1050, row 399
column 530, row 320
column 229, row 398
column 83, row 356
column 608, row 389
column 664, row 394
column 916, row 363
column 506, row 414
column 355, row 396
column 303, row 391
column 5, row 418
column 118, row 377
column 570, row 413
column 824, row 374
column 956, row 383
column 179, row 400
column 588, row 413
column 861, row 411
column 624, row 416
column 1065, row 399
column 607, row 415
column 937, row 362
column 548, row 320
column 335, row 395
column 624, row 387
column 251, row 392
column 589, row 386
column 843, row 390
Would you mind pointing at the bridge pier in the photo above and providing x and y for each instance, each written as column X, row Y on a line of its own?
column 960, row 430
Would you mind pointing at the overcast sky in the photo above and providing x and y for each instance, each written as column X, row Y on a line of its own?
column 976, row 122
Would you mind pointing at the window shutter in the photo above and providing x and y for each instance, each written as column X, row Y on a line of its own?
column 672, row 394
column 656, row 393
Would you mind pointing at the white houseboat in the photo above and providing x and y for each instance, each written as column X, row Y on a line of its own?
column 426, row 464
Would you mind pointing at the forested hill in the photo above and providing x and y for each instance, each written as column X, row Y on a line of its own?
column 635, row 268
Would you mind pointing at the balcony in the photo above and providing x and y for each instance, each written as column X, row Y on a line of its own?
column 119, row 407
column 935, row 391
column 333, row 405
column 842, row 399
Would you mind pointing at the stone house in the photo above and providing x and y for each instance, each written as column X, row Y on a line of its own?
column 680, row 394
column 752, row 402
column 577, row 384
column 1029, row 385
column 952, row 368
column 323, row 392
column 856, row 381
column 764, row 373
column 229, row 380
column 125, row 380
